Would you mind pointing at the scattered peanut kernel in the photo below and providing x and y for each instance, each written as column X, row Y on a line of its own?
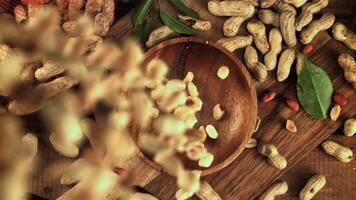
column 223, row 72
column 269, row 96
column 335, row 112
column 290, row 126
column 218, row 112
column 202, row 133
column 340, row 99
column 293, row 104
column 211, row 131
column 192, row 89
column 308, row 48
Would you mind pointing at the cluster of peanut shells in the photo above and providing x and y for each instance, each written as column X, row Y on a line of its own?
column 285, row 21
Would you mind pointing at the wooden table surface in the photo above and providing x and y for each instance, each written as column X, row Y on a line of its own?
column 341, row 178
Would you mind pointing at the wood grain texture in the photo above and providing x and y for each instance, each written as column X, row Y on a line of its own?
column 340, row 177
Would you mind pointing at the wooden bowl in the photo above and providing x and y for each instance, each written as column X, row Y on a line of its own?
column 236, row 93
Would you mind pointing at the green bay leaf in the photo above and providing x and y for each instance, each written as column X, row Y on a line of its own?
column 140, row 13
column 141, row 32
column 181, row 7
column 174, row 24
column 314, row 90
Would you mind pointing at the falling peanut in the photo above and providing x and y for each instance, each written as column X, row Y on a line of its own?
column 273, row 156
column 312, row 187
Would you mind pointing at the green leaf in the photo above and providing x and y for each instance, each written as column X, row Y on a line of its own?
column 138, row 17
column 181, row 7
column 175, row 25
column 141, row 32
column 314, row 90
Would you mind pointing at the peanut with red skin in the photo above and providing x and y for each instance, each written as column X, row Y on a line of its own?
column 269, row 96
column 293, row 104
column 340, row 99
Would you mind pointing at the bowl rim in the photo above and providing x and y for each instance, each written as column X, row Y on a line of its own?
column 246, row 76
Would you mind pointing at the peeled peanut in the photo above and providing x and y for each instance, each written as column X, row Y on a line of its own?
column 192, row 89
column 158, row 35
column 290, row 126
column 206, row 161
column 269, row 17
column 206, row 192
column 276, row 189
column 258, row 31
column 287, row 20
column 338, row 151
column 350, row 127
column 267, row 3
column 324, row 23
column 312, row 187
column 238, row 42
column 285, row 63
column 211, row 131
column 273, row 156
column 218, row 112
column 308, row 10
column 341, row 33
column 258, row 69
column 252, row 142
column 230, row 8
column 281, row 6
column 348, row 64
column 296, row 3
column 335, row 112
column 275, row 40
column 223, row 72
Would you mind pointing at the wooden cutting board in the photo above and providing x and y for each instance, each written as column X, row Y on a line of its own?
column 250, row 174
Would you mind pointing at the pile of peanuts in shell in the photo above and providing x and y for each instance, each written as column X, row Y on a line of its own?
column 286, row 23
column 92, row 75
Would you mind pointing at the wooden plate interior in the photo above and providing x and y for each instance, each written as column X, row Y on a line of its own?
column 236, row 93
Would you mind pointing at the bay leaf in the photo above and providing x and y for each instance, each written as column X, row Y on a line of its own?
column 141, row 32
column 314, row 90
column 140, row 13
column 175, row 25
column 181, row 7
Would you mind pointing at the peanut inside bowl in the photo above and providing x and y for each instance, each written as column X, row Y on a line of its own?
column 233, row 91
